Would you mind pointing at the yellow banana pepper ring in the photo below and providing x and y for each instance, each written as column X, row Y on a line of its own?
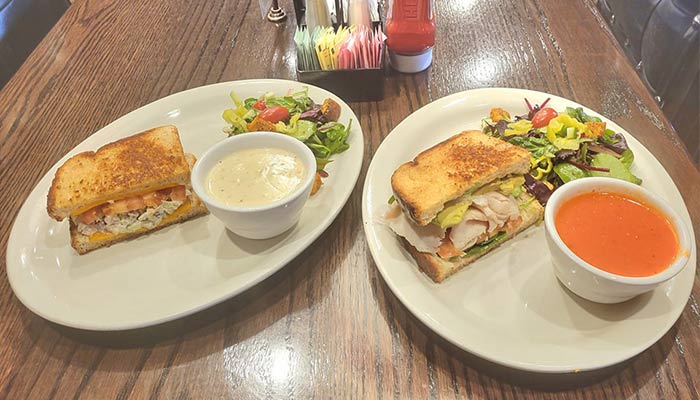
column 541, row 172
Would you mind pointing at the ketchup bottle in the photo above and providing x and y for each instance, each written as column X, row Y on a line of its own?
column 410, row 32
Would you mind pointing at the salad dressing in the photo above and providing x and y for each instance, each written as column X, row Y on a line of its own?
column 254, row 177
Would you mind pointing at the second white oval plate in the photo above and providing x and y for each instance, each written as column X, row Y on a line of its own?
column 508, row 307
column 180, row 269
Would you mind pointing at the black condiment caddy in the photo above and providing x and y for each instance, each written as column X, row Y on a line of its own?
column 365, row 84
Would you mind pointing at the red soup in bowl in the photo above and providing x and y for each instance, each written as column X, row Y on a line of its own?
column 617, row 233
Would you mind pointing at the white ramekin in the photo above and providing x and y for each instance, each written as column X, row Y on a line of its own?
column 258, row 222
column 595, row 284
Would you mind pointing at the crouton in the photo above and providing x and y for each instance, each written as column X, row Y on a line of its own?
column 330, row 109
column 597, row 129
column 498, row 114
column 317, row 184
column 259, row 124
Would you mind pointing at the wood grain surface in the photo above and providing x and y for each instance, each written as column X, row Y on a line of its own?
column 326, row 326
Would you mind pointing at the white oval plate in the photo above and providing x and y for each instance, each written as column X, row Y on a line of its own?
column 508, row 307
column 180, row 269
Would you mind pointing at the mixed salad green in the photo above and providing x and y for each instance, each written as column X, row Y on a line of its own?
column 295, row 114
column 564, row 145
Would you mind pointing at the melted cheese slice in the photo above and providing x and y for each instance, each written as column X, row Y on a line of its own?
column 81, row 210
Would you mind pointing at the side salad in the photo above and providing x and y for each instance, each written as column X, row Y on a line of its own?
column 564, row 145
column 296, row 115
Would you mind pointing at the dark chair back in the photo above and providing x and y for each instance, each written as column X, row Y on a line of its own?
column 670, row 50
column 23, row 23
column 631, row 18
column 662, row 39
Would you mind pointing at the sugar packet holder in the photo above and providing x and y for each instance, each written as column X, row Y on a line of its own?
column 363, row 84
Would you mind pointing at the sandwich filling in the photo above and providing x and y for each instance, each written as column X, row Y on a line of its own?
column 133, row 213
column 469, row 225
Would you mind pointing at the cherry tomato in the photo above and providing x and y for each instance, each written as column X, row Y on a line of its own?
column 260, row 105
column 274, row 114
column 543, row 116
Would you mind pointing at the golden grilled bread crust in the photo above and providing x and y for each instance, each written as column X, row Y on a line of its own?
column 82, row 243
column 141, row 163
column 447, row 170
column 438, row 269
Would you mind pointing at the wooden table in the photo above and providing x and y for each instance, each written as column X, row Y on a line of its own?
column 328, row 313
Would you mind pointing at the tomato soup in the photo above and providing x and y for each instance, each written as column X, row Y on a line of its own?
column 618, row 234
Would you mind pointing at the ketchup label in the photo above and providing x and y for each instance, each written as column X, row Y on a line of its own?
column 410, row 26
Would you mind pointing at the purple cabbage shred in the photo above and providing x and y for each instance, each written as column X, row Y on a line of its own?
column 537, row 189
column 619, row 146
column 314, row 114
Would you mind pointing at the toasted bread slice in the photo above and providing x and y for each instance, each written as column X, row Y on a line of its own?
column 191, row 208
column 137, row 164
column 447, row 170
column 439, row 269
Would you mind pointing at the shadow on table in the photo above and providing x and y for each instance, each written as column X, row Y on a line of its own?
column 238, row 317
column 641, row 371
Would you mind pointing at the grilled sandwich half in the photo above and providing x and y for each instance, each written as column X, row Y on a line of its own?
column 125, row 189
column 459, row 200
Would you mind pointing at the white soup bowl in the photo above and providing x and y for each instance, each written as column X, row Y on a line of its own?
column 596, row 284
column 263, row 221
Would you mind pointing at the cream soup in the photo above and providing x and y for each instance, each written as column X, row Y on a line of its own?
column 254, row 177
